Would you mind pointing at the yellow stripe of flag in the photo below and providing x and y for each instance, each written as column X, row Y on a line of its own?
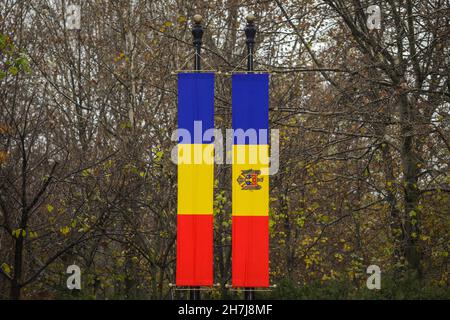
column 195, row 178
column 250, row 180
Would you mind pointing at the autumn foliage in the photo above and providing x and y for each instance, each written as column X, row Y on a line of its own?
column 86, row 118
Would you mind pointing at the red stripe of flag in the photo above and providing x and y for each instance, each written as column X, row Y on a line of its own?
column 250, row 256
column 194, row 250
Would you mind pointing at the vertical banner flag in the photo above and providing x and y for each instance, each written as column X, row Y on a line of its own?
column 195, row 179
column 250, row 184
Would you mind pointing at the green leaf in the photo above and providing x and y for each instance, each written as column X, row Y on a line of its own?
column 2, row 41
column 13, row 70
column 50, row 208
column 301, row 222
column 23, row 63
column 159, row 156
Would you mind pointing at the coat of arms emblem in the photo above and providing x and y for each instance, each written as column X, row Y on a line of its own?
column 248, row 179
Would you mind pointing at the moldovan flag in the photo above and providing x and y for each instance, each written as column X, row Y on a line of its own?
column 250, row 184
column 195, row 179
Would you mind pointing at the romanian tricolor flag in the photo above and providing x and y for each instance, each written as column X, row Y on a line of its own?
column 250, row 182
column 195, row 179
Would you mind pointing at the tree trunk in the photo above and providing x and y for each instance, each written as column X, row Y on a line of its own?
column 411, row 194
column 396, row 230
column 15, row 282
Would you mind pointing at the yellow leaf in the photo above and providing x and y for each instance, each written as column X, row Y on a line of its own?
column 64, row 230
column 50, row 208
column 16, row 233
column 119, row 57
column 3, row 156
column 339, row 257
column 6, row 268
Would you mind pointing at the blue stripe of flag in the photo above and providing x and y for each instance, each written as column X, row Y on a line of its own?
column 250, row 101
column 195, row 104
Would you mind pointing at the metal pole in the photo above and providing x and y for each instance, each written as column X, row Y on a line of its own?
column 250, row 32
column 249, row 294
column 197, row 33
